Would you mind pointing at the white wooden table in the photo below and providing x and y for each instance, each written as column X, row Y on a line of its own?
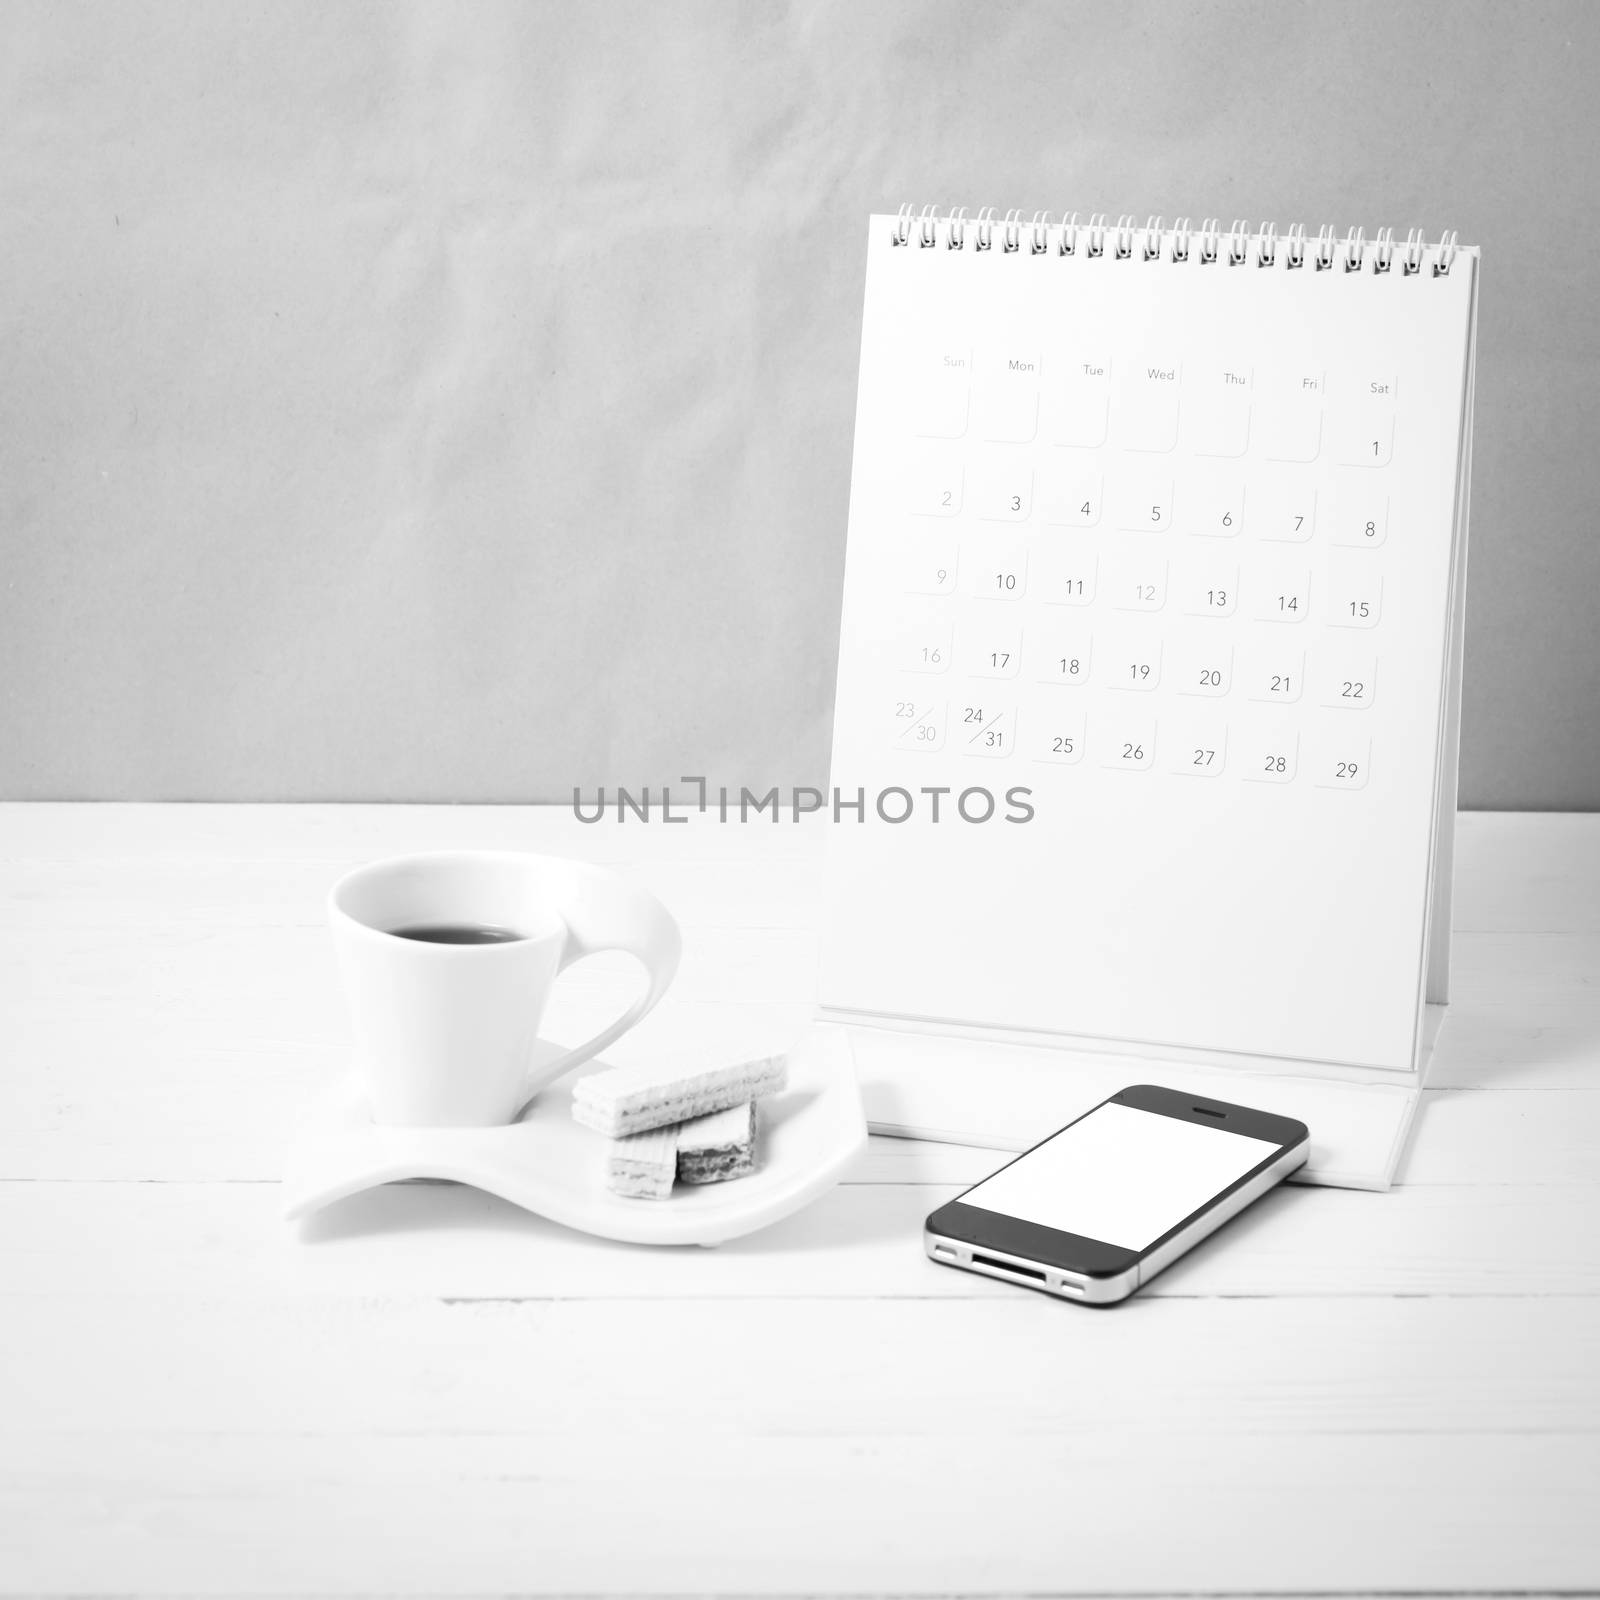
column 429, row 1391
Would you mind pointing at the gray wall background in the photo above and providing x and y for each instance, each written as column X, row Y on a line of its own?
column 433, row 402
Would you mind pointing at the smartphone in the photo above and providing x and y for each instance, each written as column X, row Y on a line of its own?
column 1102, row 1206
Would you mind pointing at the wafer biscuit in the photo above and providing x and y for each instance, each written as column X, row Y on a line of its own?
column 715, row 1148
column 628, row 1100
column 643, row 1165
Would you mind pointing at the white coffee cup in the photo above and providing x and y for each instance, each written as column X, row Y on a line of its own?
column 445, row 1033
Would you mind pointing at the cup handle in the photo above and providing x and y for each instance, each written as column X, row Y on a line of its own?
column 603, row 913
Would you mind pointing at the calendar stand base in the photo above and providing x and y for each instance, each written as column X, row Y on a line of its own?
column 926, row 1083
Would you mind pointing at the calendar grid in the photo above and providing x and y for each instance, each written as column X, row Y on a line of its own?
column 1163, row 536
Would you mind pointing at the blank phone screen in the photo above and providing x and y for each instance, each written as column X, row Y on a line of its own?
column 1121, row 1175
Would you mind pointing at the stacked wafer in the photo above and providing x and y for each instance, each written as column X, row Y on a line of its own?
column 669, row 1126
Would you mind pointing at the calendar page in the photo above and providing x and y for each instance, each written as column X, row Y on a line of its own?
column 1147, row 623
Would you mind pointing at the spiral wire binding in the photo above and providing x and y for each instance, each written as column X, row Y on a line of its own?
column 1127, row 240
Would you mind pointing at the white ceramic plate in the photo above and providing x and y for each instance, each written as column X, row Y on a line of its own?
column 547, row 1163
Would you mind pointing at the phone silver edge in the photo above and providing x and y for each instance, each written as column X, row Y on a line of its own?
column 1107, row 1291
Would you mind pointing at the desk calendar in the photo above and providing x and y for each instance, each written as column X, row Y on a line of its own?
column 1164, row 530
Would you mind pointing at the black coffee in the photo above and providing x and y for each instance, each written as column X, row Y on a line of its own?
column 458, row 933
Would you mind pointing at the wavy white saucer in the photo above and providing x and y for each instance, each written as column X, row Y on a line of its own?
column 548, row 1164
